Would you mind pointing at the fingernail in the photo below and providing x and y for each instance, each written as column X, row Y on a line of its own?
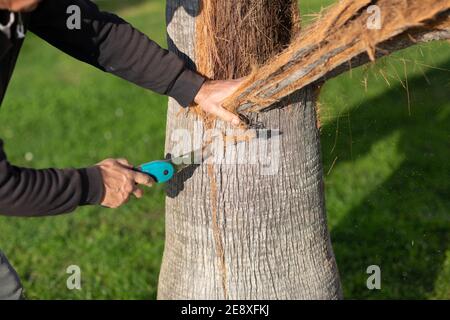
column 236, row 122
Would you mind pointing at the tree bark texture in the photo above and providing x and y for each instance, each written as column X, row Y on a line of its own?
column 273, row 228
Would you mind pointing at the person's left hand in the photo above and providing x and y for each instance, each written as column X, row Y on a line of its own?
column 213, row 93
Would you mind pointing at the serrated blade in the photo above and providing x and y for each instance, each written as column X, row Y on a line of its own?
column 196, row 157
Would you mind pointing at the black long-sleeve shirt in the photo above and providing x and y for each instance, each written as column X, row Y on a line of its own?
column 108, row 43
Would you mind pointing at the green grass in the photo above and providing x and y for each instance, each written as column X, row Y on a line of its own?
column 386, row 167
column 387, row 185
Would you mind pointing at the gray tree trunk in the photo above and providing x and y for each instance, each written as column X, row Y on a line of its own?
column 273, row 227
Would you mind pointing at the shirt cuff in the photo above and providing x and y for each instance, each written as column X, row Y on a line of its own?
column 93, row 189
column 186, row 87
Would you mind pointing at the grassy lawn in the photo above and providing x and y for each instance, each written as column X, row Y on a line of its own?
column 386, row 170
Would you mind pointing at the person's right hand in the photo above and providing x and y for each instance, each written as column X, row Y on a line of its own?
column 121, row 181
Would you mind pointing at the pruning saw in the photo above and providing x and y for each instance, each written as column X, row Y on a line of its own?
column 163, row 170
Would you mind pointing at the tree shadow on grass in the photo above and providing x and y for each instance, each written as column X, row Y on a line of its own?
column 403, row 225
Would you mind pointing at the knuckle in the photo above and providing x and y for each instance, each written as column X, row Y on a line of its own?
column 142, row 177
column 125, row 195
column 130, row 178
column 126, row 176
column 105, row 163
column 109, row 162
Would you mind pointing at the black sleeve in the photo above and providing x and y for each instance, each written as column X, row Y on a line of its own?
column 27, row 192
column 112, row 45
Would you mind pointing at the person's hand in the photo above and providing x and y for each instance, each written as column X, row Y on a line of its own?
column 121, row 181
column 213, row 93
column 19, row 5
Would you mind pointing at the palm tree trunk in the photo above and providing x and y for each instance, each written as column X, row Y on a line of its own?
column 272, row 228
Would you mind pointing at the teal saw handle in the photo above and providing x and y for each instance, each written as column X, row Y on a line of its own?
column 161, row 171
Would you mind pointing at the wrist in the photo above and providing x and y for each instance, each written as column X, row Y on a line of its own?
column 186, row 87
column 201, row 94
column 92, row 184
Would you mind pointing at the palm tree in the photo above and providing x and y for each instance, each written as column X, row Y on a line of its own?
column 232, row 231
